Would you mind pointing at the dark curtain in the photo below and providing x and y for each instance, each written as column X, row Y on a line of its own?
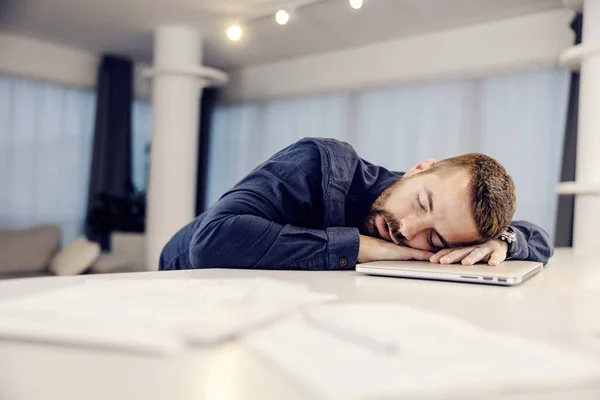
column 110, row 189
column 566, row 203
column 210, row 98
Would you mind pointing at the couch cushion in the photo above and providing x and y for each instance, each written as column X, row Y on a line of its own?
column 110, row 264
column 28, row 250
column 76, row 258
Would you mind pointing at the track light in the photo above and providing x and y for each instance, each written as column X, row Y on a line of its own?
column 234, row 32
column 356, row 4
column 282, row 17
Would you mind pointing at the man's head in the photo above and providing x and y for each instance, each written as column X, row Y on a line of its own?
column 461, row 200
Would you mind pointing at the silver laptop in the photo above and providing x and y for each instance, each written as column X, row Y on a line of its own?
column 508, row 273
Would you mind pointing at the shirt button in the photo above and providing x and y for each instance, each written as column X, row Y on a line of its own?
column 343, row 262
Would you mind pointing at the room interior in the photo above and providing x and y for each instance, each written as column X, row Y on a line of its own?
column 416, row 79
column 121, row 121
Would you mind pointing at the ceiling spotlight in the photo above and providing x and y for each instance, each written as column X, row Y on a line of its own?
column 282, row 17
column 234, row 33
column 356, row 4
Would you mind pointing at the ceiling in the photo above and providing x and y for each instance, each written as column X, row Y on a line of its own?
column 125, row 26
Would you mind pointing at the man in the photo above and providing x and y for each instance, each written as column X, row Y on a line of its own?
column 316, row 205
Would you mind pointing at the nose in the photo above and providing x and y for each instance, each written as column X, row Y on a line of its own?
column 410, row 227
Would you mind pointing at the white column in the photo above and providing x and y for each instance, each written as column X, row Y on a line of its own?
column 585, row 57
column 174, row 151
column 587, row 207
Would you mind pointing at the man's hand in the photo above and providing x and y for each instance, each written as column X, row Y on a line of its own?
column 373, row 249
column 492, row 252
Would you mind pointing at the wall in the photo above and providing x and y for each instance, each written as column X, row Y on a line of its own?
column 40, row 60
column 493, row 47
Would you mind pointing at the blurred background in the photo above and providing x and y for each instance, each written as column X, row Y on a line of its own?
column 122, row 120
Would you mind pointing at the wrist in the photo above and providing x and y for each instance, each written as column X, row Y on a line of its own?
column 508, row 239
column 503, row 245
column 363, row 249
column 369, row 249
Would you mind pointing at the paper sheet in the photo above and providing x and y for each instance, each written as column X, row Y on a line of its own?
column 159, row 316
column 356, row 351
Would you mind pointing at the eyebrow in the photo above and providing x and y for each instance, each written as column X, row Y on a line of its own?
column 430, row 200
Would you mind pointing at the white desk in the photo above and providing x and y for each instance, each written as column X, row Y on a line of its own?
column 560, row 305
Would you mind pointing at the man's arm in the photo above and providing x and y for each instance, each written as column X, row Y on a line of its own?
column 232, row 236
column 268, row 245
column 532, row 243
column 258, row 224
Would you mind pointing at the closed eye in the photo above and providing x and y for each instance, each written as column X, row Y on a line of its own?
column 430, row 240
column 421, row 206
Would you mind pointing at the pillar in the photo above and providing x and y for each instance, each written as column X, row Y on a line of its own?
column 174, row 152
column 586, row 58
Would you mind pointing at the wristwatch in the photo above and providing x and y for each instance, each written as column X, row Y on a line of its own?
column 510, row 238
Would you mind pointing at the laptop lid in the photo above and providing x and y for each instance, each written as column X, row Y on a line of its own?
column 507, row 273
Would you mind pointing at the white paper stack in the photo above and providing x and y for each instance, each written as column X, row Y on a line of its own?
column 156, row 316
column 357, row 351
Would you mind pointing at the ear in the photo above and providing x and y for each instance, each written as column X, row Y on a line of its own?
column 420, row 167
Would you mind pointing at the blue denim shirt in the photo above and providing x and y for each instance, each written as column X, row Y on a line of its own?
column 301, row 209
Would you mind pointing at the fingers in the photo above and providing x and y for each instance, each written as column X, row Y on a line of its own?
column 456, row 255
column 436, row 257
column 422, row 255
column 497, row 257
column 476, row 255
column 487, row 252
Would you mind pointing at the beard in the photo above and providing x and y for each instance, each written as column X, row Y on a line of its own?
column 369, row 226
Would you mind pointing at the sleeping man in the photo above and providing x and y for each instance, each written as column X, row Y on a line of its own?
column 316, row 205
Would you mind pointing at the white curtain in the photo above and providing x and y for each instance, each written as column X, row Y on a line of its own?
column 141, row 126
column 45, row 152
column 516, row 118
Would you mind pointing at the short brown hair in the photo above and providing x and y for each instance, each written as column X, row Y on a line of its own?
column 492, row 191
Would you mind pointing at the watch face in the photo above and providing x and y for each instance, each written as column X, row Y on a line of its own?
column 508, row 236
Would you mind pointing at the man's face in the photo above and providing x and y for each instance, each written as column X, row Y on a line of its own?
column 427, row 211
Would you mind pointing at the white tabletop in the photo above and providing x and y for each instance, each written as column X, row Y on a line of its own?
column 561, row 305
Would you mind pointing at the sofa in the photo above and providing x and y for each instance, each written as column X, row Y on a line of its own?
column 36, row 252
